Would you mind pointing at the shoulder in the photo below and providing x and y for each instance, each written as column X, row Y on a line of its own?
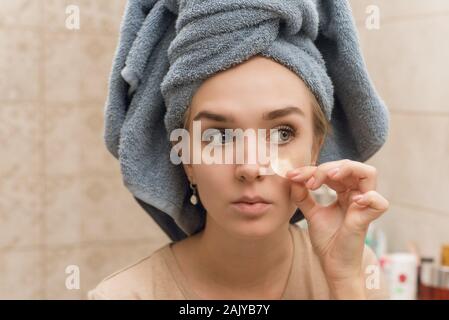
column 147, row 278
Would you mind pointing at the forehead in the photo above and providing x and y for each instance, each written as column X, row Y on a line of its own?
column 254, row 87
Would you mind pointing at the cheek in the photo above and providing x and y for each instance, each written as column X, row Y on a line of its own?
column 281, row 195
column 212, row 181
column 292, row 156
column 283, row 192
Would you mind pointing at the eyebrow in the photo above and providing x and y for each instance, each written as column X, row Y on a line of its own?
column 278, row 113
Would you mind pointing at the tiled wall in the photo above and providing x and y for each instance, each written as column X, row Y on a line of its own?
column 62, row 201
column 408, row 61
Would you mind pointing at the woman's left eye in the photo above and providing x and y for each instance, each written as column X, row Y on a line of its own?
column 282, row 135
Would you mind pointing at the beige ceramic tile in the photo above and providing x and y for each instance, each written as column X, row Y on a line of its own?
column 63, row 208
column 406, row 60
column 61, row 266
column 95, row 158
column 20, row 13
column 413, row 163
column 20, row 140
column 20, row 212
column 57, row 12
column 96, row 16
column 98, row 262
column 405, row 225
column 111, row 213
column 62, row 61
column 399, row 9
column 97, row 55
column 21, row 272
column 63, row 140
column 19, row 65
column 400, row 226
column 101, row 16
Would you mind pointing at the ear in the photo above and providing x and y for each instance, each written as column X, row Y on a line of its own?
column 189, row 172
column 188, row 169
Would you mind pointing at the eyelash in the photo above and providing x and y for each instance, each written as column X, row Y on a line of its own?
column 289, row 128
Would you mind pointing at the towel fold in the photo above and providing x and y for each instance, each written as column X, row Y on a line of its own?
column 167, row 48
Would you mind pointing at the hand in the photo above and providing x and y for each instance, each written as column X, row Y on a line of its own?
column 337, row 231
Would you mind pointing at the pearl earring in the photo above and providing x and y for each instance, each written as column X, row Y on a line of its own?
column 193, row 198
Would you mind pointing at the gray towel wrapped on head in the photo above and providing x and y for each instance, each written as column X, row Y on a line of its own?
column 167, row 48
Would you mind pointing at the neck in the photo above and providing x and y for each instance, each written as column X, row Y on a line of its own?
column 243, row 263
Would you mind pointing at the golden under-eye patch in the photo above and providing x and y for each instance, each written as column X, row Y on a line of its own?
column 289, row 161
column 282, row 166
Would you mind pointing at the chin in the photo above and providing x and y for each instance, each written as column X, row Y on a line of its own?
column 254, row 228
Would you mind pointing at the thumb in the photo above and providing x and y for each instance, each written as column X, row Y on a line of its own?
column 303, row 199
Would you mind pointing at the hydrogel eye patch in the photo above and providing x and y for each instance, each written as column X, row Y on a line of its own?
column 282, row 165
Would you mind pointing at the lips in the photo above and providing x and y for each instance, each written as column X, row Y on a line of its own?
column 252, row 200
column 251, row 205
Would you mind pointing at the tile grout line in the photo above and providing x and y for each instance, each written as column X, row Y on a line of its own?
column 42, row 150
column 78, row 104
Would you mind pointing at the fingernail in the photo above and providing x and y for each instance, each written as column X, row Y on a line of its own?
column 357, row 198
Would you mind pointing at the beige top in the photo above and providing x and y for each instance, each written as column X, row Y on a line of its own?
column 159, row 276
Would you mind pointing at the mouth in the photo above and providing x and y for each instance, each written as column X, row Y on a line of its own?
column 251, row 205
column 252, row 199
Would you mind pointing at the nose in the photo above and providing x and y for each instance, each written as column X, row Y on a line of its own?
column 249, row 170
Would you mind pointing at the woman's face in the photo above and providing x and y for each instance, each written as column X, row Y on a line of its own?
column 242, row 95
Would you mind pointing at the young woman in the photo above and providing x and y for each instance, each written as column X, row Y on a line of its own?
column 252, row 251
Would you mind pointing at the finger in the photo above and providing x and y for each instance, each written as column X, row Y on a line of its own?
column 302, row 198
column 373, row 200
column 356, row 174
column 367, row 207
column 299, row 193
column 298, row 170
column 321, row 173
column 302, row 174
column 344, row 198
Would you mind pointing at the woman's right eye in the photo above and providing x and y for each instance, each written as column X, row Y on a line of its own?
column 218, row 136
